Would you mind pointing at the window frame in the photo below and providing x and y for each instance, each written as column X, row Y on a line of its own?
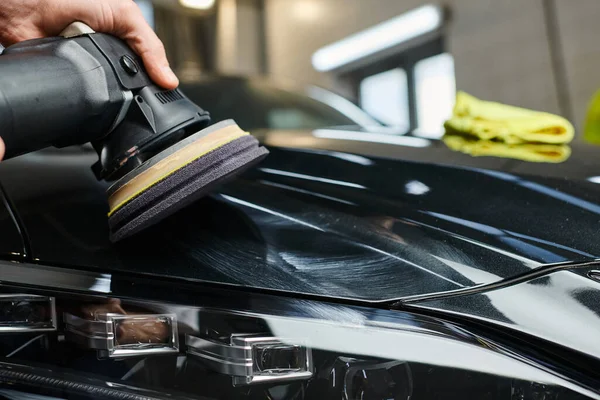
column 407, row 60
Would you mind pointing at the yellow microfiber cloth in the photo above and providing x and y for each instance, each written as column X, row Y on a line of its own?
column 489, row 120
column 532, row 152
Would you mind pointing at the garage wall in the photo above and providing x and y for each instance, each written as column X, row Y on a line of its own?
column 501, row 52
column 580, row 36
column 238, row 37
column 501, row 48
column 226, row 38
column 295, row 29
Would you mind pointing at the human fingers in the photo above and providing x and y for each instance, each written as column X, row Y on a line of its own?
column 121, row 18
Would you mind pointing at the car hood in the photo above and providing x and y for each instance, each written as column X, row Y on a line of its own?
column 12, row 245
column 323, row 221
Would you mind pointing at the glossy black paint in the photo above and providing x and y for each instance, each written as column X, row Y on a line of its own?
column 44, row 194
column 561, row 307
column 11, row 241
column 321, row 223
column 581, row 164
column 346, row 225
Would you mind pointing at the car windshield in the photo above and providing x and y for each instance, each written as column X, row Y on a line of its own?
column 258, row 105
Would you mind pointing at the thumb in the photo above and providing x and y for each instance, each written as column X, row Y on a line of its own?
column 1, row 149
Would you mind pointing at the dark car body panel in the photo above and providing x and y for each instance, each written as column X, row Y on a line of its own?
column 61, row 204
column 315, row 222
column 561, row 307
column 327, row 219
column 580, row 165
column 11, row 241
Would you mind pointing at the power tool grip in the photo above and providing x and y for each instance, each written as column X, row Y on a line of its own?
column 55, row 92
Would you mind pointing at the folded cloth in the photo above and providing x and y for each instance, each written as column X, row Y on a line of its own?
column 488, row 120
column 533, row 152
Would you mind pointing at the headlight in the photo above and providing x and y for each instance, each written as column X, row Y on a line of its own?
column 27, row 313
column 253, row 359
column 121, row 335
column 261, row 347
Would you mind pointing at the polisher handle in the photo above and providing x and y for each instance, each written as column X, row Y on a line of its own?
column 89, row 87
column 55, row 92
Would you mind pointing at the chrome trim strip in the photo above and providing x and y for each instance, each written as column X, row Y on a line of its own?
column 54, row 277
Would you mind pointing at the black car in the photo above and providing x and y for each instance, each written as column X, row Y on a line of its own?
column 259, row 103
column 353, row 263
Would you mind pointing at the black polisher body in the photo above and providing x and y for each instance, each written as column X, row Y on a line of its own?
column 92, row 87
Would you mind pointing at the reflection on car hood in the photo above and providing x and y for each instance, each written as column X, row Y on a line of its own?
column 577, row 160
column 11, row 244
column 322, row 223
column 423, row 225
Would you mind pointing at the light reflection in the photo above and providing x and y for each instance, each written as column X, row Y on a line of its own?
column 470, row 224
column 197, row 4
column 507, row 238
column 342, row 105
column 353, row 158
column 549, row 243
column 388, row 34
column 417, row 188
column 536, row 187
column 311, row 178
column 102, row 283
column 407, row 141
column 412, row 264
column 385, row 96
column 272, row 212
column 567, row 198
column 60, row 278
column 525, row 261
column 403, row 344
column 558, row 313
column 298, row 190
column 436, row 93
column 476, row 275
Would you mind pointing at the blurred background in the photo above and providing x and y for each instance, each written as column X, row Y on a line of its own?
column 388, row 62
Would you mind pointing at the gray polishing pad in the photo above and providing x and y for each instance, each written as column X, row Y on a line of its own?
column 185, row 186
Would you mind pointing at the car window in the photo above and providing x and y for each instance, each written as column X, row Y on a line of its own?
column 255, row 106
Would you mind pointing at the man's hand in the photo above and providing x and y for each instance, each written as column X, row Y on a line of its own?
column 30, row 19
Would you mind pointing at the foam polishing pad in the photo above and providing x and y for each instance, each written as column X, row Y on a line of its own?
column 178, row 176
